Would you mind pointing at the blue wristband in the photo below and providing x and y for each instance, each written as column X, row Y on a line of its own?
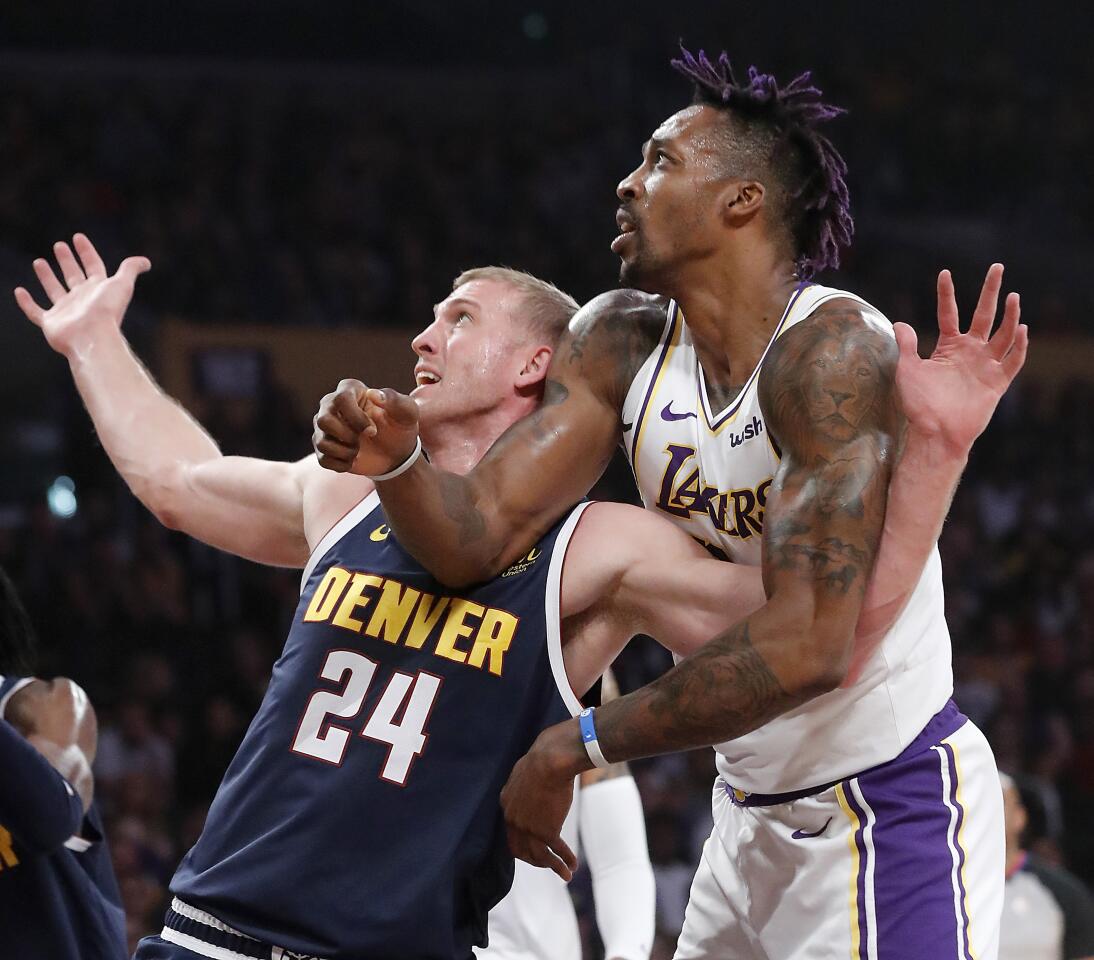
column 588, row 737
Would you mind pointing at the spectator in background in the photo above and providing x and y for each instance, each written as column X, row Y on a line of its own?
column 59, row 898
column 1047, row 913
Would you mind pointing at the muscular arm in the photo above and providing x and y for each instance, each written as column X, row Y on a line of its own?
column 468, row 528
column 630, row 571
column 827, row 391
column 828, row 395
column 253, row 508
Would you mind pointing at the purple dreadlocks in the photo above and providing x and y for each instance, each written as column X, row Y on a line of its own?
column 781, row 122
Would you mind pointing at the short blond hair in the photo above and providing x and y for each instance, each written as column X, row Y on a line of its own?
column 549, row 309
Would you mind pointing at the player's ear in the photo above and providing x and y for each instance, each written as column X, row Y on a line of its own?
column 741, row 200
column 535, row 367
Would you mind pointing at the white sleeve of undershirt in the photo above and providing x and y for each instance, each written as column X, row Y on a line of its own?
column 613, row 837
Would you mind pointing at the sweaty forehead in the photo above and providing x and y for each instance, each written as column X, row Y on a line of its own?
column 488, row 299
column 700, row 129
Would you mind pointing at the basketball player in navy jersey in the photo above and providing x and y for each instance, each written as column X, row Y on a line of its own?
column 360, row 816
column 762, row 414
column 58, row 895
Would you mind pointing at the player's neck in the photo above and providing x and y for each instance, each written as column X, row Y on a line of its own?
column 732, row 309
column 458, row 446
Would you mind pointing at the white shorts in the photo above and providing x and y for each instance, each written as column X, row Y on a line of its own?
column 535, row 921
column 902, row 862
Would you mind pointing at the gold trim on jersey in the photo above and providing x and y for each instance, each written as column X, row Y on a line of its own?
column 729, row 413
column 670, row 343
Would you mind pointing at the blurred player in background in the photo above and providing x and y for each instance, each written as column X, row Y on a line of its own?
column 537, row 921
column 1047, row 912
column 59, row 898
column 766, row 424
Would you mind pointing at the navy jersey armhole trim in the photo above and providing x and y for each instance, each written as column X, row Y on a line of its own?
column 354, row 516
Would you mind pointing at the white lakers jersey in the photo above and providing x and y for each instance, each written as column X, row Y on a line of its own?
column 710, row 472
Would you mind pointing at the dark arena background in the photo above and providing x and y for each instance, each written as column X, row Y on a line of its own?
column 307, row 179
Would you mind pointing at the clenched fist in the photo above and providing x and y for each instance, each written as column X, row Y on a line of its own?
column 363, row 430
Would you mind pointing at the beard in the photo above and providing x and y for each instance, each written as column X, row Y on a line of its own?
column 643, row 272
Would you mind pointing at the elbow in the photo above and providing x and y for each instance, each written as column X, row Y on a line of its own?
column 165, row 510
column 166, row 496
column 820, row 661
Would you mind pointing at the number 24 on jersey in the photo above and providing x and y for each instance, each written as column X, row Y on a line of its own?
column 320, row 737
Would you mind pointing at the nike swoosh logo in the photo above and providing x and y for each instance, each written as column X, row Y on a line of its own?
column 667, row 414
column 806, row 835
column 627, row 427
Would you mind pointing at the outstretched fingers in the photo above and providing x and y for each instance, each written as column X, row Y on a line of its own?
column 34, row 313
column 948, row 325
column 53, row 287
column 66, row 260
column 1003, row 338
column 906, row 341
column 133, row 267
column 1016, row 357
column 983, row 317
column 93, row 265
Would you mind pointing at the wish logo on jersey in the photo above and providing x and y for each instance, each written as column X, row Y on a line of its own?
column 737, row 513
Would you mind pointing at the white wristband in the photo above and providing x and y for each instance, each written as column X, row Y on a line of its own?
column 588, row 737
column 404, row 466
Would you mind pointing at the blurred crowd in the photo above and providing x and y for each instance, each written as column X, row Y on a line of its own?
column 319, row 203
column 284, row 196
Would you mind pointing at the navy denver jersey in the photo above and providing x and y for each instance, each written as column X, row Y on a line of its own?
column 59, row 898
column 360, row 817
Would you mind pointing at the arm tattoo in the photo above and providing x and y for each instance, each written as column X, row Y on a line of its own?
column 610, row 339
column 827, row 391
column 722, row 691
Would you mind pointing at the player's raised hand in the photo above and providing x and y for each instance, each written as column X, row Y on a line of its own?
column 87, row 302
column 364, row 431
column 954, row 392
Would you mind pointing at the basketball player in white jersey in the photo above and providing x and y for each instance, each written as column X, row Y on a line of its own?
column 482, row 363
column 856, row 810
column 536, row 920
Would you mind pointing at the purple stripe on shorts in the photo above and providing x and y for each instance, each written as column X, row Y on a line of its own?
column 967, row 953
column 860, row 881
column 913, row 863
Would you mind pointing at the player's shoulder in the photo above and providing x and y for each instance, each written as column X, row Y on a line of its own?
column 831, row 375
column 645, row 309
column 328, row 497
column 629, row 532
column 829, row 302
column 833, row 320
column 611, row 336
